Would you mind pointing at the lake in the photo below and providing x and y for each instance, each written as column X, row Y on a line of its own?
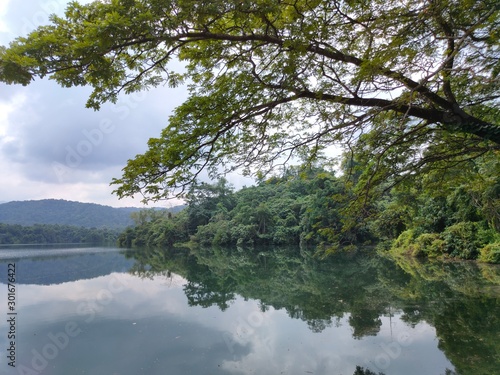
column 105, row 311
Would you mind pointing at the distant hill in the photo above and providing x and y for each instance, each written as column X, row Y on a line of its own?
column 58, row 211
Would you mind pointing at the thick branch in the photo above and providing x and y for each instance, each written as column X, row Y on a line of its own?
column 454, row 121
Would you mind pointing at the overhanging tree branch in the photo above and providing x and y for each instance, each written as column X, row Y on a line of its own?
column 286, row 76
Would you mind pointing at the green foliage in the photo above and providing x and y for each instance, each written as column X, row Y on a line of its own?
column 433, row 214
column 448, row 214
column 404, row 243
column 58, row 211
column 155, row 228
column 490, row 253
column 462, row 240
column 14, row 234
column 313, row 208
column 302, row 207
column 424, row 245
column 432, row 244
column 391, row 222
column 407, row 87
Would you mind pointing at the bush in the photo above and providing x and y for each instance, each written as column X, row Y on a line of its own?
column 430, row 245
column 462, row 240
column 404, row 243
column 222, row 234
column 244, row 235
column 490, row 253
column 205, row 234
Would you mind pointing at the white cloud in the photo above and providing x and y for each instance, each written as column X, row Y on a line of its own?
column 51, row 146
column 8, row 107
column 3, row 11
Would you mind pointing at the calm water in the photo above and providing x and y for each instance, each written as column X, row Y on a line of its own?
column 101, row 311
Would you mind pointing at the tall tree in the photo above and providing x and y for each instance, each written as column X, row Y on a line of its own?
column 410, row 83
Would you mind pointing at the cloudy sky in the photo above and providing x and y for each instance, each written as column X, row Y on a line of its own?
column 51, row 146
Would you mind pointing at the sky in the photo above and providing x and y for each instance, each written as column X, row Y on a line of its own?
column 52, row 147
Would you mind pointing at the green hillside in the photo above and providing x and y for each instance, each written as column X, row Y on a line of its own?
column 58, row 211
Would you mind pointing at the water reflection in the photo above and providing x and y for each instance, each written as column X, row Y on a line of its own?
column 54, row 264
column 275, row 312
column 369, row 293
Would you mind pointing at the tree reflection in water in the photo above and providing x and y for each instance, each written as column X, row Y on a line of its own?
column 460, row 299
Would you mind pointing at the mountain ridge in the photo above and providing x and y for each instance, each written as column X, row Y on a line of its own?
column 64, row 212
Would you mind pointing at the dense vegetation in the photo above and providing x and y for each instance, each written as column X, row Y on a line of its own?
column 409, row 89
column 451, row 211
column 301, row 207
column 58, row 211
column 12, row 234
column 60, row 221
column 413, row 85
column 315, row 209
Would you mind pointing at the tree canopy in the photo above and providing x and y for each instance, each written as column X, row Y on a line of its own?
column 403, row 85
column 311, row 210
column 15, row 234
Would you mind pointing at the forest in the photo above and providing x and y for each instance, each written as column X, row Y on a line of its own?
column 315, row 209
column 14, row 234
column 63, row 212
column 407, row 90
